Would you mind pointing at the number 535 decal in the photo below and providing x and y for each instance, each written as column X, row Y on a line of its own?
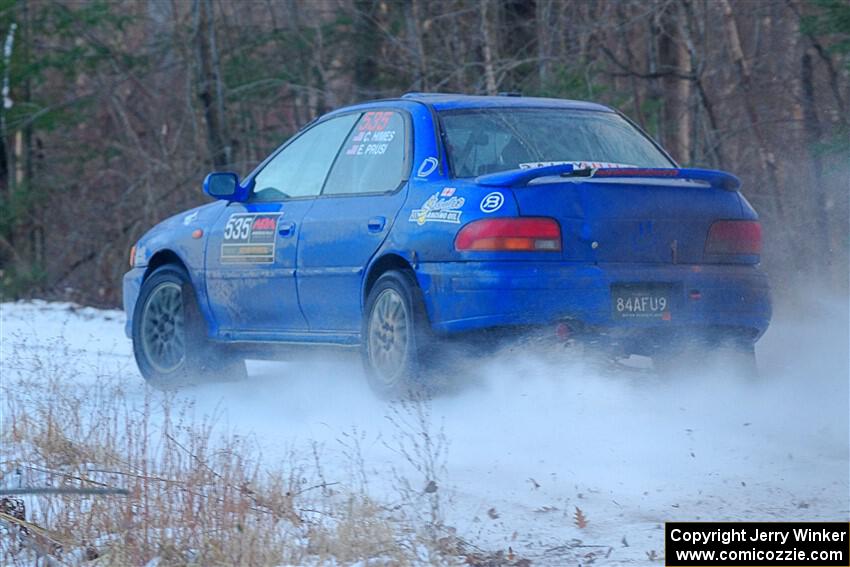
column 249, row 238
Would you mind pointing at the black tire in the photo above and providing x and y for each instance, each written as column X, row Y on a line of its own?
column 395, row 333
column 169, row 335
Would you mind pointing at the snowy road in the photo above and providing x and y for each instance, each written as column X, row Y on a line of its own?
column 529, row 440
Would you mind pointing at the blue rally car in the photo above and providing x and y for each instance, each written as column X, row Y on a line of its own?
column 397, row 226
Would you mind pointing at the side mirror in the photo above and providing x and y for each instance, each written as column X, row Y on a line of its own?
column 224, row 185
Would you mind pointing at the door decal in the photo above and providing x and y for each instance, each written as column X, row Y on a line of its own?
column 249, row 238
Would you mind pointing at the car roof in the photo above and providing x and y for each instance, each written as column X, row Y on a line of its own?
column 451, row 101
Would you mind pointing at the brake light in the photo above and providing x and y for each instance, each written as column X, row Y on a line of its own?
column 133, row 256
column 734, row 237
column 528, row 234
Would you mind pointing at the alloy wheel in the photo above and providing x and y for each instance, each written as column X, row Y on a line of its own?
column 163, row 331
column 388, row 336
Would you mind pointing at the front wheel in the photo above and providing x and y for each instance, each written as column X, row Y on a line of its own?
column 395, row 330
column 169, row 338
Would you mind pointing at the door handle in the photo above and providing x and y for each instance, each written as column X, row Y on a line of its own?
column 376, row 224
column 286, row 228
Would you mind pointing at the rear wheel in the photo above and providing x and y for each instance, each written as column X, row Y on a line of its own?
column 395, row 330
column 169, row 334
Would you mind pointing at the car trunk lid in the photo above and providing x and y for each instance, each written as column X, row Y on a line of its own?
column 630, row 219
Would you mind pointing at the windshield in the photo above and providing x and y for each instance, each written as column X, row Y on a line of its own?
column 483, row 141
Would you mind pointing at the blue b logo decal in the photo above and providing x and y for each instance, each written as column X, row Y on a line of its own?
column 492, row 202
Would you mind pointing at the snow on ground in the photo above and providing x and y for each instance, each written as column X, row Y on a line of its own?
column 532, row 438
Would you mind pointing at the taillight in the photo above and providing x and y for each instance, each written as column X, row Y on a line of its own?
column 527, row 234
column 734, row 237
column 133, row 257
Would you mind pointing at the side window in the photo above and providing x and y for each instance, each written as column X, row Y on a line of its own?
column 372, row 159
column 300, row 169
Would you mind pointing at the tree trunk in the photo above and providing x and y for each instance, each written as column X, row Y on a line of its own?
column 826, row 58
column 692, row 33
column 414, row 34
column 543, row 19
column 674, row 62
column 8, row 163
column 636, row 86
column 367, row 48
column 655, row 93
column 209, row 85
column 813, row 133
column 488, row 47
column 766, row 158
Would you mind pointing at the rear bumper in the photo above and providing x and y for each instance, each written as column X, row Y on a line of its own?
column 466, row 296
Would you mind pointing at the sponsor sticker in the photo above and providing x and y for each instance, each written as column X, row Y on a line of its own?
column 492, row 202
column 575, row 164
column 190, row 218
column 427, row 167
column 447, row 192
column 375, row 121
column 249, row 238
column 371, row 137
column 438, row 209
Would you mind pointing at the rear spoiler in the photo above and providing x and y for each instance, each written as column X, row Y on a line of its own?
column 522, row 177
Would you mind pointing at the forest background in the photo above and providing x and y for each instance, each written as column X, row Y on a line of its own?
column 113, row 112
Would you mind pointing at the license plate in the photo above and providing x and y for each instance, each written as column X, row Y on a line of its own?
column 641, row 301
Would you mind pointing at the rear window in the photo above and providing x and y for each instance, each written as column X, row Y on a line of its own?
column 484, row 141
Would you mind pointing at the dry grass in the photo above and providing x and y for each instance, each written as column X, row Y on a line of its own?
column 194, row 495
column 191, row 497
